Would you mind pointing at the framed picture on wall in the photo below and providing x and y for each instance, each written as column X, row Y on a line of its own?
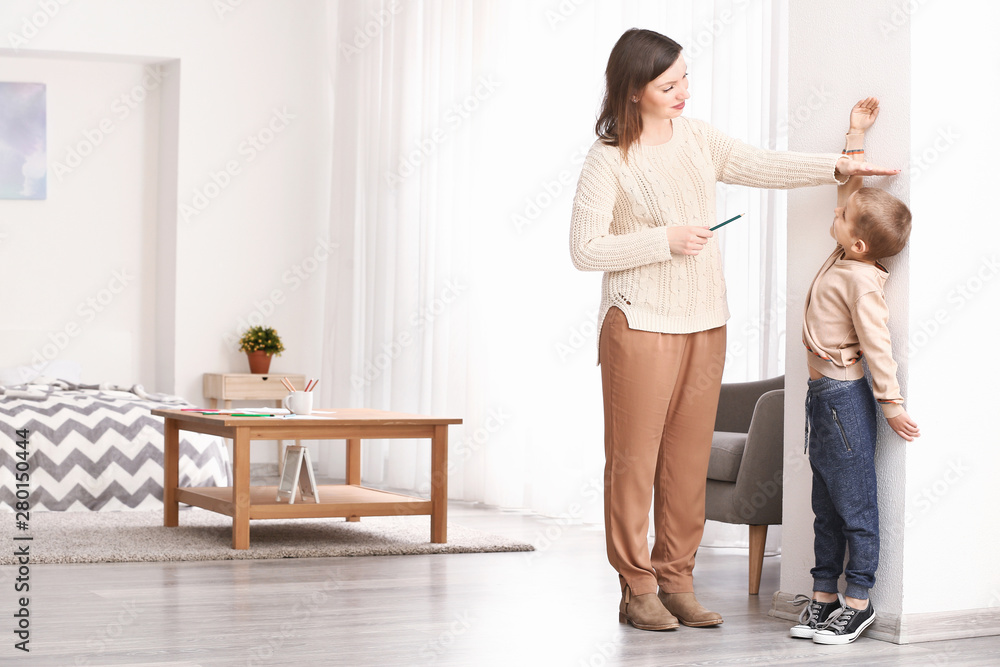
column 22, row 141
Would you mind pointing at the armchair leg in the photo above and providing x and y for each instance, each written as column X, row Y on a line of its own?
column 758, row 535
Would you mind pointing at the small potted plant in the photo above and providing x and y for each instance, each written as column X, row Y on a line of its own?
column 260, row 343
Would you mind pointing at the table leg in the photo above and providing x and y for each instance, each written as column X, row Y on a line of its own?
column 439, row 484
column 353, row 466
column 171, row 459
column 241, row 489
column 281, row 449
column 213, row 403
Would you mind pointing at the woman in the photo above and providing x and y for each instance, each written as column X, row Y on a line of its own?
column 642, row 211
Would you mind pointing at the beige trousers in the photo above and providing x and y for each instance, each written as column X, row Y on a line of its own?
column 661, row 392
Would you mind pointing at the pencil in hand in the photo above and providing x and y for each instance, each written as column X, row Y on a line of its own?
column 723, row 224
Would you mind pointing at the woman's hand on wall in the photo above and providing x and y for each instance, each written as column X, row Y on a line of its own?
column 688, row 239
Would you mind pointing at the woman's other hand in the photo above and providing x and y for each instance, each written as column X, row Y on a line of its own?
column 688, row 239
column 849, row 167
column 863, row 114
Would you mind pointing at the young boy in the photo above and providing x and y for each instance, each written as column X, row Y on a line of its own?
column 845, row 319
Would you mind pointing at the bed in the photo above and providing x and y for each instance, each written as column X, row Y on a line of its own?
column 97, row 447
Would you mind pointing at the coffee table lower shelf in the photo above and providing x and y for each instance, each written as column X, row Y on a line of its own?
column 337, row 500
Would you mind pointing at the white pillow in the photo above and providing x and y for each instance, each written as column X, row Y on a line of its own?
column 60, row 369
column 15, row 375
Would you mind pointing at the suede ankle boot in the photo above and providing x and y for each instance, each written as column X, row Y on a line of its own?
column 644, row 612
column 688, row 610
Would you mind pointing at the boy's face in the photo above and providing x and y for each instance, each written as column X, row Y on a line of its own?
column 842, row 229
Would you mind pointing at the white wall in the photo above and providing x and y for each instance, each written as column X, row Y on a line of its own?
column 951, row 536
column 827, row 75
column 258, row 70
column 78, row 266
column 926, row 64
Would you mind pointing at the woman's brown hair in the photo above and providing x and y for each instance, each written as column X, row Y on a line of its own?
column 638, row 57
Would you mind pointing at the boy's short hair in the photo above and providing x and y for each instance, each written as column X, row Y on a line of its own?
column 882, row 221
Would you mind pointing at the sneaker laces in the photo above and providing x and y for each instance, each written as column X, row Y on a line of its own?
column 839, row 619
column 811, row 612
column 810, row 615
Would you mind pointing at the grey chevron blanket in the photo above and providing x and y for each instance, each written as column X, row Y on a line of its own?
column 97, row 447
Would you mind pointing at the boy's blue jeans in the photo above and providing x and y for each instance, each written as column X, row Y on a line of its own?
column 842, row 425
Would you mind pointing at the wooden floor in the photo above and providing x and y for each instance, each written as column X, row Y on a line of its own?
column 556, row 606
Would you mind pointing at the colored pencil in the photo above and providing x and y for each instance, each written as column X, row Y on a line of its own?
column 288, row 384
column 723, row 224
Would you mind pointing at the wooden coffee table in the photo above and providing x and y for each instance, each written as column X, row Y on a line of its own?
column 244, row 502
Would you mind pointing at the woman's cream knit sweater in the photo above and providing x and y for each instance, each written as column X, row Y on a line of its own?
column 621, row 213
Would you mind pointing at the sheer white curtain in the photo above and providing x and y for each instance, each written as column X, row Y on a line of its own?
column 460, row 128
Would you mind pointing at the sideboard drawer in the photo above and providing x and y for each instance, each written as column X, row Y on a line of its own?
column 249, row 387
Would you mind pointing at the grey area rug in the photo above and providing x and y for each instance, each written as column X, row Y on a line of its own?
column 139, row 536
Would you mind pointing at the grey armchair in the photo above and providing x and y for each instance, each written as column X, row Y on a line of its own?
column 745, row 468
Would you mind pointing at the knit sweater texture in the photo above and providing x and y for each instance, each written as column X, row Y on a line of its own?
column 846, row 317
column 622, row 211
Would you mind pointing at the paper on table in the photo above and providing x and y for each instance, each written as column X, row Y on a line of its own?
column 239, row 411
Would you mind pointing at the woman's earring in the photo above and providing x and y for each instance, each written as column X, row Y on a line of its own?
column 635, row 99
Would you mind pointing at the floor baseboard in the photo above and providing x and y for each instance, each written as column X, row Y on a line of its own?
column 911, row 628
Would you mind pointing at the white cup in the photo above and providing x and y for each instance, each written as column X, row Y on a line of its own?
column 299, row 402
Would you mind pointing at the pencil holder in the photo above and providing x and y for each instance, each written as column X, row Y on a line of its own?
column 299, row 402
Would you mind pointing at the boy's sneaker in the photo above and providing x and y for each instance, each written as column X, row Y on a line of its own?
column 814, row 615
column 844, row 626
